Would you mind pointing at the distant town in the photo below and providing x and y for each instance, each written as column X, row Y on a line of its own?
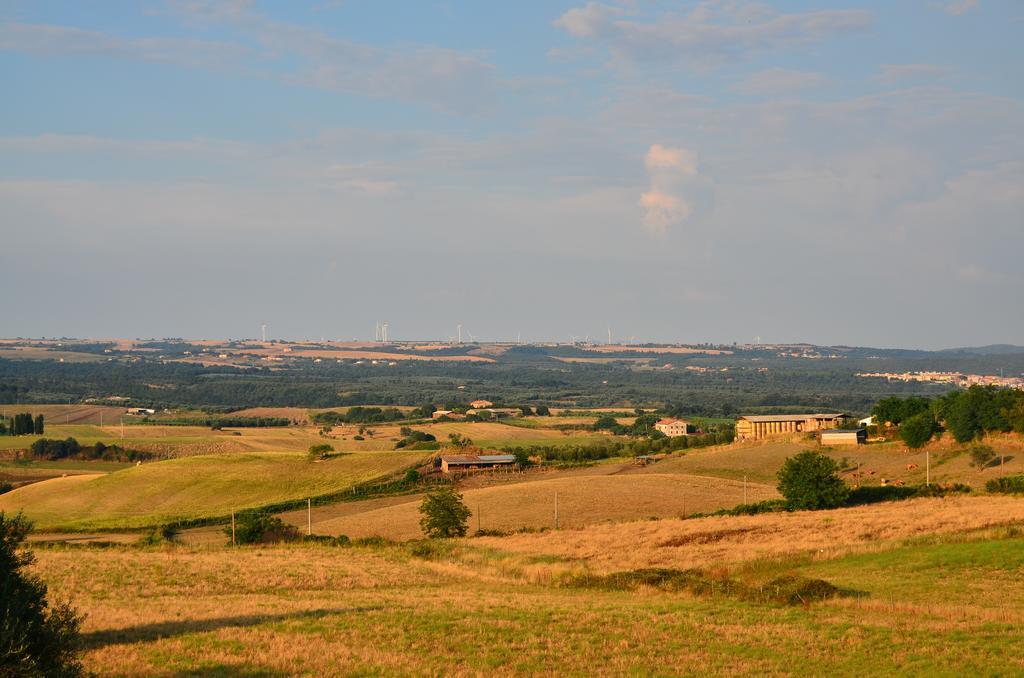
column 958, row 379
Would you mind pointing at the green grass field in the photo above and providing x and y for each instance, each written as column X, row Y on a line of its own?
column 940, row 604
column 193, row 487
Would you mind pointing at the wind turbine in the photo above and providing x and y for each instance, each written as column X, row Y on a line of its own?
column 609, row 335
column 263, row 332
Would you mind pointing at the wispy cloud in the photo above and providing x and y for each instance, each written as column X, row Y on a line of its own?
column 780, row 81
column 444, row 79
column 711, row 34
column 440, row 78
column 49, row 40
column 894, row 74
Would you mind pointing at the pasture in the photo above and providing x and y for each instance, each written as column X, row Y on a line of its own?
column 932, row 599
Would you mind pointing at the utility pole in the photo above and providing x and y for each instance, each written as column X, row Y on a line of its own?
column 232, row 527
column 122, row 428
column 556, row 510
column 744, row 488
column 928, row 468
column 477, row 516
column 309, row 516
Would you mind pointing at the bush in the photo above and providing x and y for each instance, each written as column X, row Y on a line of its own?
column 809, row 481
column 444, row 514
column 982, row 456
column 767, row 506
column 412, row 476
column 260, row 527
column 1006, row 485
column 36, row 638
column 5, row 486
column 161, row 535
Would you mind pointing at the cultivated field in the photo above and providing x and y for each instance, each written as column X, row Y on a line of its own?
column 69, row 414
column 193, row 487
column 926, row 596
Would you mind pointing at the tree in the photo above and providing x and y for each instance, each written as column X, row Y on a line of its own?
column 918, row 430
column 36, row 638
column 459, row 441
column 542, row 411
column 37, row 425
column 444, row 514
column 320, row 451
column 522, row 457
column 260, row 527
column 810, row 481
column 526, row 410
column 982, row 456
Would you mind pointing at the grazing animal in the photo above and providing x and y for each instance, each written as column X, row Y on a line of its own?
column 911, row 467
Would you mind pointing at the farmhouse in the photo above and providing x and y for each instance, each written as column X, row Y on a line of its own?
column 673, row 427
column 480, row 404
column 447, row 413
column 834, row 436
column 755, row 427
column 473, row 462
column 141, row 411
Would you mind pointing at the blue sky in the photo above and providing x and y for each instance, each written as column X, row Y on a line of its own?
column 835, row 172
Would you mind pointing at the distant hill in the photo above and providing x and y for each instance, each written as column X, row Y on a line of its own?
column 991, row 349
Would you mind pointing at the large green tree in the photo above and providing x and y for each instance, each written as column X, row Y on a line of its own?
column 810, row 481
column 37, row 638
column 918, row 430
column 444, row 514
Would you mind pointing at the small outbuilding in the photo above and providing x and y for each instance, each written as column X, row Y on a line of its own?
column 838, row 436
column 481, row 404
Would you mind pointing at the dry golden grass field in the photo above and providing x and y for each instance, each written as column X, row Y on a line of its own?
column 583, row 499
column 933, row 589
column 759, row 461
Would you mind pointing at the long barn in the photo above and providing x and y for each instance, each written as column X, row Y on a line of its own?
column 757, row 426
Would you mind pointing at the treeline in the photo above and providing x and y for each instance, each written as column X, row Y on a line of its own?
column 23, row 424
column 608, row 449
column 69, row 448
column 968, row 415
column 365, row 415
column 221, row 422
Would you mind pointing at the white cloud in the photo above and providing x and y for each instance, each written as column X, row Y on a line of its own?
column 780, row 81
column 662, row 210
column 958, row 7
column 710, row 35
column 669, row 169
